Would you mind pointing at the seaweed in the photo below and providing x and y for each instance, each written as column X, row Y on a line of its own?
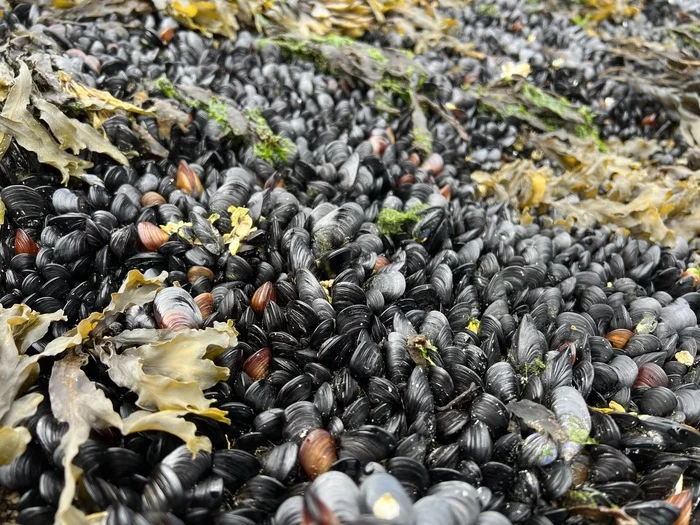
column 391, row 222
column 269, row 146
column 619, row 187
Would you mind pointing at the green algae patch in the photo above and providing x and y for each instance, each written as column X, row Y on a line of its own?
column 376, row 55
column 335, row 40
column 581, row 436
column 166, row 87
column 391, row 222
column 270, row 147
column 558, row 105
column 489, row 10
column 536, row 367
column 506, row 110
column 216, row 109
column 309, row 48
column 583, row 21
column 582, row 498
column 387, row 70
column 584, row 132
column 393, row 86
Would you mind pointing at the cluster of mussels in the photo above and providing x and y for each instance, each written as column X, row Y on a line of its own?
column 407, row 352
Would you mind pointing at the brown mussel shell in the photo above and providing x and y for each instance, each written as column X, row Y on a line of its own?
column 262, row 297
column 151, row 198
column 619, row 337
column 317, row 453
column 195, row 272
column 187, row 180
column 24, row 243
column 258, row 364
column 151, row 236
column 205, row 303
column 684, row 501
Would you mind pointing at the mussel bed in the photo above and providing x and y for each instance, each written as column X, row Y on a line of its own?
column 327, row 319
